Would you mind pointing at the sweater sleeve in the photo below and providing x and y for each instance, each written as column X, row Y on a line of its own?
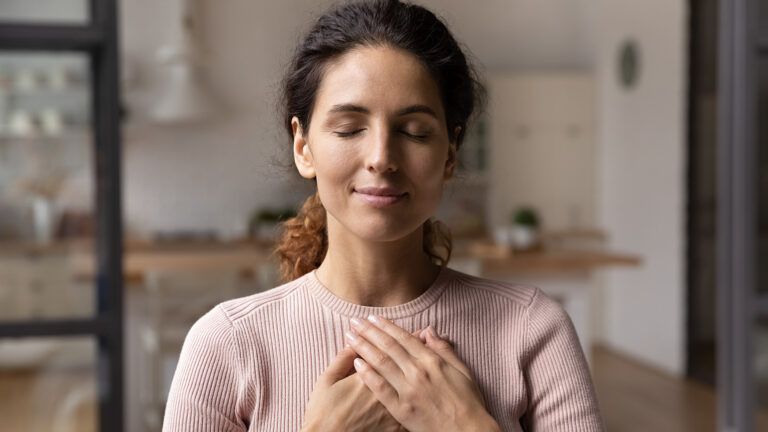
column 206, row 389
column 561, row 395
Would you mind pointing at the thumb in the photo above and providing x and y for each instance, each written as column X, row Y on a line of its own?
column 339, row 368
column 422, row 334
column 444, row 349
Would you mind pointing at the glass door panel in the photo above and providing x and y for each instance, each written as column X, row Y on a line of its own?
column 47, row 218
column 45, row 11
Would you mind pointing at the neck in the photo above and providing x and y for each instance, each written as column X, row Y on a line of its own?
column 376, row 273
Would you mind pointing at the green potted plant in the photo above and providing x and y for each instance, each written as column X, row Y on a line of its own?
column 524, row 234
column 264, row 221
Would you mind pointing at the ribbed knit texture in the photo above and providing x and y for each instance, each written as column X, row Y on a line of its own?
column 251, row 363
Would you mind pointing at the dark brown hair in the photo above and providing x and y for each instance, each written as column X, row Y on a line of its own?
column 405, row 26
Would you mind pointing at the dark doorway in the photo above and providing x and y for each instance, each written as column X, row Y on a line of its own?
column 702, row 204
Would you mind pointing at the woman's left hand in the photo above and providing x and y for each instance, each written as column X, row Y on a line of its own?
column 425, row 387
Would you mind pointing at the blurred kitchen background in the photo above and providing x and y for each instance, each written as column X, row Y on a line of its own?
column 592, row 174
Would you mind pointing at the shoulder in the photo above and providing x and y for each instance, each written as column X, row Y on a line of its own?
column 511, row 293
column 237, row 309
column 222, row 331
column 534, row 308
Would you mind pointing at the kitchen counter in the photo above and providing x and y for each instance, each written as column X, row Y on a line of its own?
column 543, row 260
column 141, row 256
column 564, row 273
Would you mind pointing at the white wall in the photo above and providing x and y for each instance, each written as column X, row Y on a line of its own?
column 641, row 178
column 542, row 147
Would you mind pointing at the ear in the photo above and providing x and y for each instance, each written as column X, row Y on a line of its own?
column 450, row 163
column 302, row 154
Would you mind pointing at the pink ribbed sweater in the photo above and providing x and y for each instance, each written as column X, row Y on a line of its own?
column 251, row 363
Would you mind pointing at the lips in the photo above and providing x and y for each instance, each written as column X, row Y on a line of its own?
column 380, row 197
column 387, row 191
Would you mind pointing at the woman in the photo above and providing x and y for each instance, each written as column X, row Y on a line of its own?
column 377, row 100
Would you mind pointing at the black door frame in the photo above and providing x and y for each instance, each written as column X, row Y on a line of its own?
column 738, row 303
column 98, row 38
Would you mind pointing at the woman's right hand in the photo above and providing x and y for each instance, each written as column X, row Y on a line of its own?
column 341, row 401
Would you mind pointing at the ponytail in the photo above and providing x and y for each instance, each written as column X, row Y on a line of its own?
column 303, row 240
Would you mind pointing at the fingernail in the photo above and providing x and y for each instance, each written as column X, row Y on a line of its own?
column 358, row 363
column 355, row 322
column 350, row 336
column 373, row 318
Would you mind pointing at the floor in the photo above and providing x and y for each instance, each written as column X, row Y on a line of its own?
column 57, row 401
column 632, row 397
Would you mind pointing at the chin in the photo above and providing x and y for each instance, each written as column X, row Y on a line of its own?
column 385, row 232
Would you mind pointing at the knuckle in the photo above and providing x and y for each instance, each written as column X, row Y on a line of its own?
column 434, row 361
column 389, row 344
column 419, row 375
column 379, row 385
column 382, row 359
column 407, row 409
column 402, row 338
column 410, row 394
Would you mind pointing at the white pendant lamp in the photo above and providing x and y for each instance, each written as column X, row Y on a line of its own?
column 185, row 98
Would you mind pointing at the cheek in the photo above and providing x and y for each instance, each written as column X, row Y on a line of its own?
column 334, row 167
column 428, row 172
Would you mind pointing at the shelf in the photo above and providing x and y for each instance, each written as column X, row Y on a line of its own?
column 69, row 132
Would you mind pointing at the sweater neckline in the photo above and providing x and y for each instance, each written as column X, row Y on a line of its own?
column 347, row 308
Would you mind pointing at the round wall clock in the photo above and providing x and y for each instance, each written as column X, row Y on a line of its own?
column 629, row 63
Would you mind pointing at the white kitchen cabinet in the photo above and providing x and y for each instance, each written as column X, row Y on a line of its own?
column 42, row 286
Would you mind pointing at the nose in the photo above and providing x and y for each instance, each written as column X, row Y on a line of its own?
column 381, row 152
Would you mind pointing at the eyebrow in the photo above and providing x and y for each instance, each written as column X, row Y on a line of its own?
column 405, row 111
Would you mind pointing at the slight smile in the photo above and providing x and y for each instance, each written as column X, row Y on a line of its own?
column 380, row 201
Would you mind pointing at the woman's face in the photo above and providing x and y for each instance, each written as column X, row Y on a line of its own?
column 378, row 122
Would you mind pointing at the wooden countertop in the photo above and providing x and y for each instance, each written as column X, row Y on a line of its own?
column 246, row 256
column 555, row 260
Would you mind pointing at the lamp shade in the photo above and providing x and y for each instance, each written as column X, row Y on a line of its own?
column 185, row 97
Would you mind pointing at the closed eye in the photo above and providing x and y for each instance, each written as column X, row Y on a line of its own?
column 347, row 134
column 343, row 134
column 418, row 137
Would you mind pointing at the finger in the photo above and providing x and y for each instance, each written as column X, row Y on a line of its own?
column 408, row 342
column 339, row 367
column 382, row 390
column 386, row 343
column 422, row 335
column 379, row 360
column 444, row 349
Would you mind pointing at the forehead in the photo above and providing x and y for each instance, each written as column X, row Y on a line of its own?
column 382, row 79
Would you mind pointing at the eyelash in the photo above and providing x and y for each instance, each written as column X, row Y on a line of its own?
column 347, row 134
column 355, row 132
